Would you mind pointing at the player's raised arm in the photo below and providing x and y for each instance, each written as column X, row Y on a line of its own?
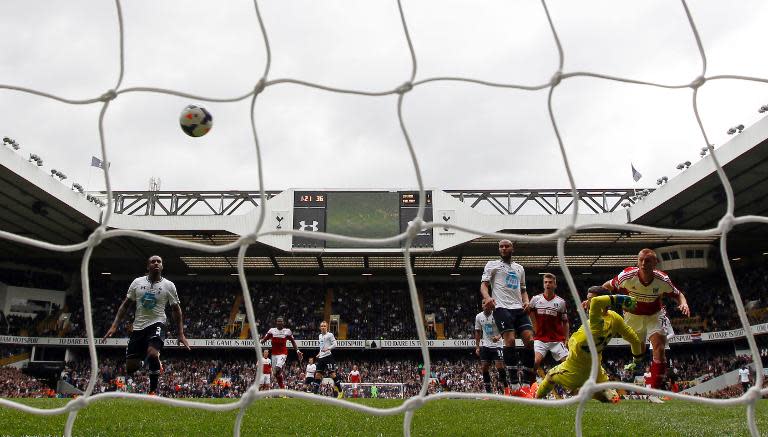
column 597, row 306
column 118, row 317
column 600, row 304
column 177, row 314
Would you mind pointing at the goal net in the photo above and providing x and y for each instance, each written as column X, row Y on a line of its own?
column 382, row 390
column 110, row 98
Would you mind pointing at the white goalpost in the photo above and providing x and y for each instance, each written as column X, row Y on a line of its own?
column 558, row 78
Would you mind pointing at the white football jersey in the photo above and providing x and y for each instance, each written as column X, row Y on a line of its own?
column 744, row 375
column 507, row 283
column 151, row 299
column 327, row 342
column 487, row 325
column 310, row 373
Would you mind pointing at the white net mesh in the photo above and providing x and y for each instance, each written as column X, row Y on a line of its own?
column 727, row 222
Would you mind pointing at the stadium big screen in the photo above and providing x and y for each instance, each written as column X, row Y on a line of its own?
column 365, row 214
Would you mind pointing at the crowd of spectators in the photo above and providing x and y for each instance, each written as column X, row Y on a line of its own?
column 16, row 384
column 372, row 310
column 207, row 306
column 732, row 391
column 704, row 366
column 710, row 297
column 216, row 378
column 18, row 325
column 455, row 306
column 377, row 310
column 301, row 306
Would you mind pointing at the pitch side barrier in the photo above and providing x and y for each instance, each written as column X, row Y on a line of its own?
column 216, row 343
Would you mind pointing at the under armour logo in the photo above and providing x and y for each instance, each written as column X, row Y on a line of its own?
column 304, row 226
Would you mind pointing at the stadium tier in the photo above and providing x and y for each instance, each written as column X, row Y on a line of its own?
column 369, row 309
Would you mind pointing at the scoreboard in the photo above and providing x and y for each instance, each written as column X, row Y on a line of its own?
column 365, row 214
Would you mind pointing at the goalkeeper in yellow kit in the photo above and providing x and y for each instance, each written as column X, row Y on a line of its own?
column 604, row 324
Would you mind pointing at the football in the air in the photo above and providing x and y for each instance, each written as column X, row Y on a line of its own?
column 195, row 121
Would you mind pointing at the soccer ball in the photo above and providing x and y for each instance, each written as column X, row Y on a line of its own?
column 195, row 121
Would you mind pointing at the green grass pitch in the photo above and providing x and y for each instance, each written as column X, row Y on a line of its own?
column 293, row 417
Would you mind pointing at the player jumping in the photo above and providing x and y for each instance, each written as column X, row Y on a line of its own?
column 280, row 336
column 150, row 293
column 604, row 325
column 648, row 285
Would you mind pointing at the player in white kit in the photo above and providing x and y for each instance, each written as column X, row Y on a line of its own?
column 309, row 374
column 489, row 347
column 151, row 294
column 744, row 378
column 325, row 362
column 503, row 289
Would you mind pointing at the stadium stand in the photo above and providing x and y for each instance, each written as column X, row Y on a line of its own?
column 373, row 310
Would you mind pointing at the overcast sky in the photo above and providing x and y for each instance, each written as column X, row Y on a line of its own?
column 465, row 135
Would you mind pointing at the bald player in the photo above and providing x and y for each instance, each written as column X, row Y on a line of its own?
column 503, row 289
column 648, row 286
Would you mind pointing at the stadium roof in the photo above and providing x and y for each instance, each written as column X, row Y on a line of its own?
column 36, row 205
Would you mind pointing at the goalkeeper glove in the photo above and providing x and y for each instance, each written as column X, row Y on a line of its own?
column 636, row 362
column 625, row 302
